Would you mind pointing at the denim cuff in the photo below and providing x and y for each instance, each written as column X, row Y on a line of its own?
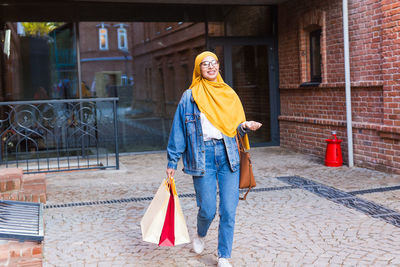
column 242, row 131
column 245, row 130
column 172, row 165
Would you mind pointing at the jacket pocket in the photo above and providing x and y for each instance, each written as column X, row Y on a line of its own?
column 232, row 151
column 190, row 123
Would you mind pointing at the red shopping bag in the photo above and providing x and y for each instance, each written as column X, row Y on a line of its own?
column 167, row 238
column 163, row 222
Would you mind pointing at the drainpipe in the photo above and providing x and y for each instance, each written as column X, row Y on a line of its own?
column 78, row 57
column 348, row 85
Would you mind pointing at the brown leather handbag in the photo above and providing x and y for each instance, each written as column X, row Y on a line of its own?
column 246, row 170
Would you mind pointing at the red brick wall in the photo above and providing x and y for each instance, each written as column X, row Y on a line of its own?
column 15, row 253
column 365, row 18
column 308, row 115
column 14, row 185
column 391, row 60
column 329, row 103
column 365, row 40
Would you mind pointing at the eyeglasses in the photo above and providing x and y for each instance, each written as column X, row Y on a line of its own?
column 207, row 64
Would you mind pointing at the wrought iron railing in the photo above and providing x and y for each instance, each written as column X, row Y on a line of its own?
column 59, row 135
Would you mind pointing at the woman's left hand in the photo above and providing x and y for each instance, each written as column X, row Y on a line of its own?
column 251, row 125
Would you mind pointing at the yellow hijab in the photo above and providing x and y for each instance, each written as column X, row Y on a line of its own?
column 218, row 101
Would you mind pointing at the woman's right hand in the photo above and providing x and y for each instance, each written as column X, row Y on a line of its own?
column 170, row 172
column 252, row 125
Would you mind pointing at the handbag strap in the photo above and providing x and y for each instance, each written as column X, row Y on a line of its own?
column 241, row 148
column 239, row 143
column 245, row 195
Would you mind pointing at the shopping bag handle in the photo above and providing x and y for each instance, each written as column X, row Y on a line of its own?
column 171, row 184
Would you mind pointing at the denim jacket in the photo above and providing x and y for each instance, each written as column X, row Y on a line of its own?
column 186, row 139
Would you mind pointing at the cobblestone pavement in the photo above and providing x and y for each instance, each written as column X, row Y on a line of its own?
column 278, row 225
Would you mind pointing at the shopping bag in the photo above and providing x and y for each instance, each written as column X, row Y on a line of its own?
column 167, row 238
column 153, row 220
column 164, row 216
column 181, row 231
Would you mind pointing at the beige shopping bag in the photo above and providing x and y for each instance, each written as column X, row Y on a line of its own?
column 153, row 219
column 181, row 231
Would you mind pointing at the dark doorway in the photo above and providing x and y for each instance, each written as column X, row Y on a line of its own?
column 248, row 66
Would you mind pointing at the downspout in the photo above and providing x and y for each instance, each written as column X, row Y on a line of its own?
column 348, row 84
column 78, row 57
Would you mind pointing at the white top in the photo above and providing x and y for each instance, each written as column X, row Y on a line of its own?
column 209, row 131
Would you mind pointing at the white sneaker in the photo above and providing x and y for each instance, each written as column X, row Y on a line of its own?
column 198, row 244
column 222, row 262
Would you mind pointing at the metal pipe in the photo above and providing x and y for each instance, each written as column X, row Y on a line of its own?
column 348, row 84
column 79, row 89
column 116, row 134
column 78, row 57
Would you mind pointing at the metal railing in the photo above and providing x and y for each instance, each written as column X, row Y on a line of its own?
column 59, row 135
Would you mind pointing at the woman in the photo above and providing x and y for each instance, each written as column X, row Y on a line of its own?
column 208, row 117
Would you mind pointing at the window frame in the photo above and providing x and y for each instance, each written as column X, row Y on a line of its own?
column 315, row 50
column 105, row 48
column 123, row 32
column 312, row 20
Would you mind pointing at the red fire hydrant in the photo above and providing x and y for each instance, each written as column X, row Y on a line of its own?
column 333, row 157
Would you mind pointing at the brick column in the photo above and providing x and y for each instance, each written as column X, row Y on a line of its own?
column 15, row 185
column 391, row 61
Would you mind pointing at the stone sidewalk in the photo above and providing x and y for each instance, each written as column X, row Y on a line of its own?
column 301, row 214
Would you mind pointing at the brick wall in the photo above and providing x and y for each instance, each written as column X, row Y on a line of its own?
column 89, row 50
column 163, row 73
column 330, row 104
column 308, row 115
column 15, row 253
column 391, row 60
column 14, row 185
column 365, row 40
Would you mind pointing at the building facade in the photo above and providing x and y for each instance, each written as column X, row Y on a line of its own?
column 284, row 58
column 163, row 64
column 310, row 111
column 105, row 56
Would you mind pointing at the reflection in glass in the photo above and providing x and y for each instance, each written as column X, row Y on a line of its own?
column 251, row 82
column 244, row 21
column 57, row 135
column 103, row 39
column 41, row 63
column 148, row 66
column 63, row 64
column 219, row 51
column 122, row 43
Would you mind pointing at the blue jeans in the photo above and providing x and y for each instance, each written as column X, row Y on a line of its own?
column 217, row 171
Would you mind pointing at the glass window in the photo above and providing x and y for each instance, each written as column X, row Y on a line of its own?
column 124, row 79
column 41, row 61
column 315, row 55
column 103, row 39
column 148, row 71
column 122, row 36
column 251, row 83
column 246, row 21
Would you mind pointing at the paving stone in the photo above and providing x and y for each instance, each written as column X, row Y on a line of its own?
column 290, row 227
